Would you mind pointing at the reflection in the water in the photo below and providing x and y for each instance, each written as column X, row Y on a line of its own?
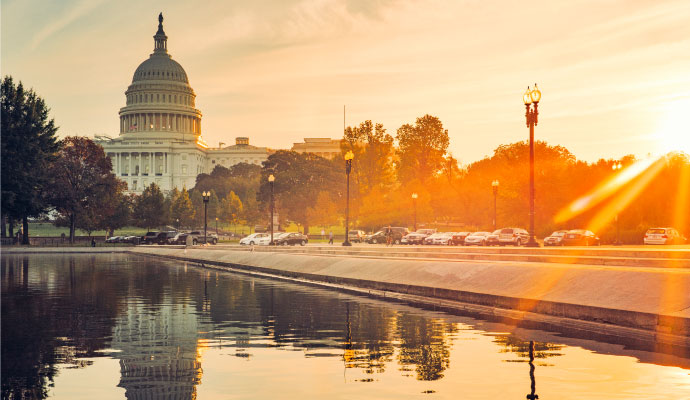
column 159, row 320
column 532, row 395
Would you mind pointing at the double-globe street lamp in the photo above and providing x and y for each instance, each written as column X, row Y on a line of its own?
column 616, row 167
column 271, row 179
column 494, row 186
column 348, row 168
column 206, row 196
column 531, row 115
column 414, row 205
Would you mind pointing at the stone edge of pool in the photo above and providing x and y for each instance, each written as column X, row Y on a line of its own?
column 606, row 296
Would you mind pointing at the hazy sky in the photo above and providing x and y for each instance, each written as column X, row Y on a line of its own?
column 613, row 74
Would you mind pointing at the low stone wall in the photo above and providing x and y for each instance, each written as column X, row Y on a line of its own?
column 653, row 299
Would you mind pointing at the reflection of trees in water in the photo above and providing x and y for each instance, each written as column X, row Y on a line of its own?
column 64, row 316
column 514, row 344
column 425, row 344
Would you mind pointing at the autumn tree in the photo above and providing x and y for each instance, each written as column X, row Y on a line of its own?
column 230, row 208
column 28, row 148
column 182, row 212
column 84, row 189
column 422, row 148
column 324, row 212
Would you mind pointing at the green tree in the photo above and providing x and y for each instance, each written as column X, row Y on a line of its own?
column 148, row 208
column 122, row 213
column 28, row 148
column 421, row 149
column 231, row 209
column 324, row 212
column 83, row 190
column 182, row 211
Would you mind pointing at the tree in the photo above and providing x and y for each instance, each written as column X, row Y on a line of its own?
column 28, row 148
column 149, row 208
column 421, row 148
column 182, row 211
column 83, row 186
column 324, row 212
column 122, row 213
column 230, row 208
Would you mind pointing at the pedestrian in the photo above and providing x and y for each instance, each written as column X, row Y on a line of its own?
column 330, row 237
column 389, row 236
column 323, row 234
column 93, row 242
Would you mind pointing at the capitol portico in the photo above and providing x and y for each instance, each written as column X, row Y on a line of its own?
column 160, row 129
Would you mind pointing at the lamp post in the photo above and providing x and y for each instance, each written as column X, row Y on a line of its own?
column 348, row 168
column 414, row 205
column 206, row 196
column 616, row 167
column 271, row 179
column 494, row 186
column 531, row 115
column 216, row 226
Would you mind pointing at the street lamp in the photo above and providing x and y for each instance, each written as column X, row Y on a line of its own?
column 531, row 115
column 207, row 197
column 216, row 226
column 494, row 186
column 348, row 168
column 271, row 179
column 616, row 167
column 414, row 205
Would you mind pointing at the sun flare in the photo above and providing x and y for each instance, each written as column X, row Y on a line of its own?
column 674, row 130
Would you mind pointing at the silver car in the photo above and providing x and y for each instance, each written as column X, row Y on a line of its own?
column 513, row 236
column 476, row 238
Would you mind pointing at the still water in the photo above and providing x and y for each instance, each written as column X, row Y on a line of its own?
column 121, row 326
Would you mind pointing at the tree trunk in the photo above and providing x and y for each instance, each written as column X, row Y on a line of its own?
column 3, row 221
column 25, row 236
column 71, row 228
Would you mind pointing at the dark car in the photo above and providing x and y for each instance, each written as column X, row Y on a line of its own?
column 291, row 239
column 458, row 238
column 397, row 233
column 198, row 237
column 150, row 238
column 492, row 239
column 580, row 237
column 165, row 237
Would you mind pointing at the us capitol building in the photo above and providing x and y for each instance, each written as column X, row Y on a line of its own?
column 160, row 129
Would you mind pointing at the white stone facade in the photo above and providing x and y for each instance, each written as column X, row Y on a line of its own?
column 160, row 129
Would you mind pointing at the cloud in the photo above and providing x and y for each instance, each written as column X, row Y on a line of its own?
column 74, row 13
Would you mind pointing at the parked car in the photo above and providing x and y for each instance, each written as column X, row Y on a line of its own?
column 397, row 234
column 476, row 238
column 255, row 239
column 663, row 236
column 439, row 238
column 198, row 237
column 512, row 236
column 150, row 237
column 356, row 236
column 580, row 237
column 179, row 238
column 291, row 238
column 459, row 238
column 114, row 239
column 417, row 237
column 555, row 239
column 131, row 239
column 492, row 238
column 164, row 237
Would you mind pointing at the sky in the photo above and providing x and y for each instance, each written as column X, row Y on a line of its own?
column 614, row 75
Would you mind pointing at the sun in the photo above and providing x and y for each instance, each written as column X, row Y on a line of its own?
column 673, row 133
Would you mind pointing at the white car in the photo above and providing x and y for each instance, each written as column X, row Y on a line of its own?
column 260, row 239
column 441, row 238
column 663, row 236
column 476, row 238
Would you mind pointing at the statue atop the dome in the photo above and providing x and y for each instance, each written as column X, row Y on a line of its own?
column 160, row 18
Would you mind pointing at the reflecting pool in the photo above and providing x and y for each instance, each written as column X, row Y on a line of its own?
column 122, row 326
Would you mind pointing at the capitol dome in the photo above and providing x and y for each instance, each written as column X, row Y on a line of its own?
column 160, row 101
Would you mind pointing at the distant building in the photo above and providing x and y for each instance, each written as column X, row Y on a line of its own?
column 324, row 147
column 160, row 129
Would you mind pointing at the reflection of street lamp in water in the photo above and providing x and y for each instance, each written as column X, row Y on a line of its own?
column 533, row 384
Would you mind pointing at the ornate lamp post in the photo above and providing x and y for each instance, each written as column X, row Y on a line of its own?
column 616, row 167
column 348, row 168
column 216, row 226
column 206, row 196
column 531, row 97
column 414, row 205
column 271, row 179
column 494, row 186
